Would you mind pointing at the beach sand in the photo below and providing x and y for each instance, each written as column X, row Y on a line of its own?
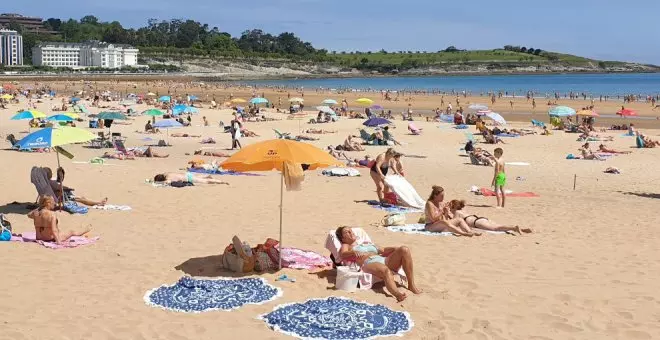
column 590, row 270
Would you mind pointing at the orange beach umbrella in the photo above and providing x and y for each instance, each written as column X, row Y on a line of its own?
column 272, row 155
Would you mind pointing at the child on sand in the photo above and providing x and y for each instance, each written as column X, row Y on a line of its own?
column 499, row 177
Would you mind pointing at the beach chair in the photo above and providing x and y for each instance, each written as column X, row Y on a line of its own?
column 333, row 245
column 41, row 182
column 414, row 129
column 281, row 135
column 538, row 123
column 117, row 135
column 366, row 137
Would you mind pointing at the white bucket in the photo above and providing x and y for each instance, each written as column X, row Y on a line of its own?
column 347, row 279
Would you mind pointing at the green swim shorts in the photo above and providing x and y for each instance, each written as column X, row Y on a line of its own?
column 500, row 180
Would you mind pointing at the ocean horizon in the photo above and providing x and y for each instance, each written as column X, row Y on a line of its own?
column 542, row 85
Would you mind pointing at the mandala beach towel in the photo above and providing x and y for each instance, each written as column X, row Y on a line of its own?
column 337, row 318
column 191, row 295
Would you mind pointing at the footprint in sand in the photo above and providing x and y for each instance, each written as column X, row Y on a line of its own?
column 636, row 335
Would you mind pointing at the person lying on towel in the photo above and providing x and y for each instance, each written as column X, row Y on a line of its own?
column 379, row 262
column 187, row 177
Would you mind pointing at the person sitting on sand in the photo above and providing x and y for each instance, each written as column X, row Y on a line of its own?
column 482, row 156
column 648, row 142
column 436, row 216
column 588, row 154
column 490, row 138
column 351, row 145
column 186, row 177
column 602, row 148
column 46, row 224
column 474, row 221
column 59, row 189
column 211, row 153
column 379, row 262
column 179, row 134
column 546, row 132
column 148, row 128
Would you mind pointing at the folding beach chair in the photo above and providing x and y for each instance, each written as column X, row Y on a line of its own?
column 281, row 135
column 333, row 245
column 364, row 135
column 538, row 123
column 41, row 182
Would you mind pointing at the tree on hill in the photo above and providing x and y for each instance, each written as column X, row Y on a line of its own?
column 451, row 49
column 523, row 49
column 531, row 50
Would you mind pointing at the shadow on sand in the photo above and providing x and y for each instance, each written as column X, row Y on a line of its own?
column 641, row 194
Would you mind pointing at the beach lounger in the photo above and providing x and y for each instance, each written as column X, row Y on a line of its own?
column 333, row 245
column 366, row 137
column 281, row 135
column 41, row 182
column 414, row 129
column 538, row 123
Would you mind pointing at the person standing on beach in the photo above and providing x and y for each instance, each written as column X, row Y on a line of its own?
column 499, row 177
column 235, row 130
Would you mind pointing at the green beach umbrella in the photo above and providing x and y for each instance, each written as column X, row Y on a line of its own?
column 153, row 112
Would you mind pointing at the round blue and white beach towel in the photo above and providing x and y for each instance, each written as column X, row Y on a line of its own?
column 191, row 295
column 337, row 318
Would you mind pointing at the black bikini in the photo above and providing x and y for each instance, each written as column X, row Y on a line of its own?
column 477, row 218
column 383, row 168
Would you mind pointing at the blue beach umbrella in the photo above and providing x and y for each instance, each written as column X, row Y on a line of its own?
column 259, row 100
column 60, row 118
column 165, row 99
column 167, row 124
column 28, row 115
column 561, row 111
column 75, row 99
column 375, row 121
column 193, row 98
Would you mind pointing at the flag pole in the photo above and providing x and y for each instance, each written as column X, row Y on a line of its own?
column 281, row 204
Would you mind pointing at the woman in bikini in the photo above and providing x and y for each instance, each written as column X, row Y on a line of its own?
column 187, row 177
column 380, row 169
column 437, row 217
column 46, row 223
column 379, row 262
column 474, row 221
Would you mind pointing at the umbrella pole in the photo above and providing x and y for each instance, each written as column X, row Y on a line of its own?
column 281, row 204
column 62, row 183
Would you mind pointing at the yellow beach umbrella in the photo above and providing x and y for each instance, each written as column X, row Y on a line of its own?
column 238, row 100
column 587, row 113
column 6, row 96
column 273, row 154
column 72, row 115
column 364, row 101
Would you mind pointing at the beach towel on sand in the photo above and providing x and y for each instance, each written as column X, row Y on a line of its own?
column 191, row 295
column 74, row 241
column 490, row 193
column 393, row 208
column 420, row 229
column 303, row 259
column 404, row 191
column 337, row 318
column 222, row 172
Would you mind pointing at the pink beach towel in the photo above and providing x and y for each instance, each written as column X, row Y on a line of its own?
column 488, row 192
column 303, row 259
column 73, row 242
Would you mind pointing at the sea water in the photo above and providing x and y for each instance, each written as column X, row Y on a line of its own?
column 613, row 85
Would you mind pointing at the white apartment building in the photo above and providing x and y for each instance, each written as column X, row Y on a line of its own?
column 11, row 48
column 80, row 55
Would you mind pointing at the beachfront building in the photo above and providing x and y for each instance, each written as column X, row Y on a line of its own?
column 11, row 48
column 82, row 55
column 28, row 24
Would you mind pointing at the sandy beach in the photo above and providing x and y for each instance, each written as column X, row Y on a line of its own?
column 590, row 269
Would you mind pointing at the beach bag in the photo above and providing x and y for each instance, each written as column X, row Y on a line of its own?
column 5, row 229
column 237, row 257
column 394, row 219
column 267, row 255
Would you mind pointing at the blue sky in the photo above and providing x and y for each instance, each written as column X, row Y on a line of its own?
column 618, row 31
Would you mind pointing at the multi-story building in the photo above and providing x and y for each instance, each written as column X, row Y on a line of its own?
column 88, row 54
column 29, row 24
column 11, row 48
